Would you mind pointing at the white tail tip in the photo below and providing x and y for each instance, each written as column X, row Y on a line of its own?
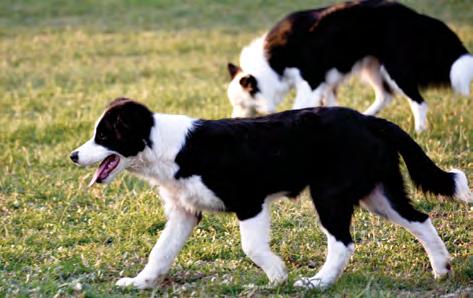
column 461, row 74
column 462, row 191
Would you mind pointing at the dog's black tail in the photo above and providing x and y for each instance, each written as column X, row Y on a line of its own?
column 423, row 171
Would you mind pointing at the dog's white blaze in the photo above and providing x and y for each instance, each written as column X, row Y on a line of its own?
column 255, row 237
column 91, row 153
column 338, row 255
column 175, row 234
column 423, row 231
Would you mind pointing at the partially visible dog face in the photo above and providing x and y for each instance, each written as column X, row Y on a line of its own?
column 121, row 133
column 245, row 94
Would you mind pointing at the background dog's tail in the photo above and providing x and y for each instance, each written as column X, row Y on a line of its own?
column 423, row 171
column 461, row 74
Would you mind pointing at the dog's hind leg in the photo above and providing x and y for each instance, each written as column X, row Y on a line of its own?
column 398, row 81
column 382, row 90
column 419, row 110
column 255, row 237
column 335, row 217
column 393, row 204
column 177, row 230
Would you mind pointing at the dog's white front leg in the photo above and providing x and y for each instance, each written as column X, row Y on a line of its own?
column 255, row 233
column 177, row 230
column 305, row 98
column 329, row 98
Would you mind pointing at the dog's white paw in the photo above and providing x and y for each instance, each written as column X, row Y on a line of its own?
column 277, row 274
column 444, row 273
column 311, row 283
column 420, row 128
column 125, row 282
column 136, row 282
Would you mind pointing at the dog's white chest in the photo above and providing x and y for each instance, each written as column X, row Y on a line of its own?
column 191, row 194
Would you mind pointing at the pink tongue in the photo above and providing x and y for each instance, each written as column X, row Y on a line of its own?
column 94, row 179
column 105, row 168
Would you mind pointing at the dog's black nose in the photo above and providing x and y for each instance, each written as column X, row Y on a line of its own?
column 74, row 156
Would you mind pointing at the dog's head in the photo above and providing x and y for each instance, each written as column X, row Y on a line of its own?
column 120, row 135
column 246, row 95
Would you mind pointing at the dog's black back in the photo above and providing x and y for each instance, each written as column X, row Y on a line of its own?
column 339, row 153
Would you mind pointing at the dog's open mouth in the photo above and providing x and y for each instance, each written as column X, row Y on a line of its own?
column 105, row 169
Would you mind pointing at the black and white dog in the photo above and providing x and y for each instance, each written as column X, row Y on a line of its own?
column 394, row 48
column 241, row 165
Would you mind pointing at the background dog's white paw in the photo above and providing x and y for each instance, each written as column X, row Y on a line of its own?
column 311, row 283
column 136, row 282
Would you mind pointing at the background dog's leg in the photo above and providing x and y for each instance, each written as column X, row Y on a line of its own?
column 393, row 204
column 305, row 97
column 395, row 76
column 381, row 88
column 419, row 110
column 255, row 234
column 177, row 230
column 335, row 218
column 330, row 98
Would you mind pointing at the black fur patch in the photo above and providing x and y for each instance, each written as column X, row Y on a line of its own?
column 415, row 49
column 250, row 84
column 233, row 69
column 125, row 127
column 340, row 154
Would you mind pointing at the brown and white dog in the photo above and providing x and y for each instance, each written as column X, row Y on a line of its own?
column 396, row 50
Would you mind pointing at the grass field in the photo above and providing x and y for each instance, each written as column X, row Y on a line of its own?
column 62, row 61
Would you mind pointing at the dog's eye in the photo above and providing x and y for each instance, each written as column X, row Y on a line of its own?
column 101, row 136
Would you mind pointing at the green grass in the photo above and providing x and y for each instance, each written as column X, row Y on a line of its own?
column 62, row 61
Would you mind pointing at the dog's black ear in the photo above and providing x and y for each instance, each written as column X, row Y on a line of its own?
column 121, row 126
column 233, row 69
column 250, row 84
column 127, row 126
column 117, row 101
column 135, row 118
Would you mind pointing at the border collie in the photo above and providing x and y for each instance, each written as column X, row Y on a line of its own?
column 394, row 48
column 240, row 165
